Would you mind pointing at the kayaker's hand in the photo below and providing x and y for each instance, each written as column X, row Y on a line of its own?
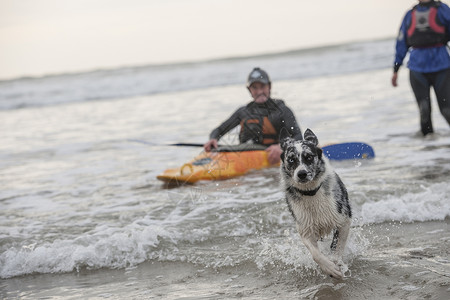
column 211, row 144
column 394, row 79
column 274, row 153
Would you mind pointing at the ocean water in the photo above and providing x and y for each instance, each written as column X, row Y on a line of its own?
column 82, row 214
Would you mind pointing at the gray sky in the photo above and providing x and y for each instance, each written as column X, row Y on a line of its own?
column 55, row 36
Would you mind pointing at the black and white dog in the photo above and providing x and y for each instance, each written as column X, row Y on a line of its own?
column 317, row 199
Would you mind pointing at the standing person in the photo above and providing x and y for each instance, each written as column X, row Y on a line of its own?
column 425, row 32
column 262, row 120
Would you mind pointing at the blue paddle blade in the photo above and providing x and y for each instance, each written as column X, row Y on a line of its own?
column 343, row 151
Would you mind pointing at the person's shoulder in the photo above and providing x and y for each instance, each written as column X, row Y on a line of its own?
column 442, row 5
column 278, row 102
column 443, row 12
column 409, row 11
column 247, row 106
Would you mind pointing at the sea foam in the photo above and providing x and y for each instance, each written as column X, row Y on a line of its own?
column 430, row 204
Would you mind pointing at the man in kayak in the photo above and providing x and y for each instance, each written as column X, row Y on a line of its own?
column 425, row 32
column 262, row 121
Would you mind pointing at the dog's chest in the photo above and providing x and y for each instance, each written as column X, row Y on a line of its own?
column 315, row 215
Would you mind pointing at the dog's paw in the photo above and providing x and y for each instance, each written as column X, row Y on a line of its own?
column 345, row 270
column 331, row 269
column 342, row 266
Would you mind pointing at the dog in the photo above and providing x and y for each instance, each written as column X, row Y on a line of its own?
column 316, row 198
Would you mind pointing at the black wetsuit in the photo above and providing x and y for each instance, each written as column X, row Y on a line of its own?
column 421, row 83
column 261, row 123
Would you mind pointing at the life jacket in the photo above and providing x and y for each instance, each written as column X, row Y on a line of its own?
column 426, row 30
column 258, row 130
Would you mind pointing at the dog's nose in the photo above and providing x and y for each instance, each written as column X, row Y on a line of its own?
column 302, row 174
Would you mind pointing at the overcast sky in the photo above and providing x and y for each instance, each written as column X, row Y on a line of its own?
column 40, row 37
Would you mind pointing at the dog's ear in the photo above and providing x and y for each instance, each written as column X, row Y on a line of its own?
column 282, row 156
column 285, row 143
column 309, row 136
column 319, row 152
column 284, row 134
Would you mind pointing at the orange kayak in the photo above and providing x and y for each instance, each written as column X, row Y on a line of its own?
column 216, row 166
column 236, row 160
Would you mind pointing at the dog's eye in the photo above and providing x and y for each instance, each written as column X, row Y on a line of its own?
column 291, row 160
column 308, row 158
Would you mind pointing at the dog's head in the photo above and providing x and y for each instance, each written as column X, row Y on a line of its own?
column 302, row 161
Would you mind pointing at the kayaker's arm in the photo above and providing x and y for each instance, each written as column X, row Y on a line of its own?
column 290, row 124
column 226, row 126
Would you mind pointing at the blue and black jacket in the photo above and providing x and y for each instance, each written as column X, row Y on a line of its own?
column 424, row 58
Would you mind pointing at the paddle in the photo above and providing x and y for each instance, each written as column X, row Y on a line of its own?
column 186, row 145
column 342, row 151
column 339, row 151
column 221, row 148
column 175, row 144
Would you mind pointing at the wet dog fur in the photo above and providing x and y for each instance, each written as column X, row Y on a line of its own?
column 316, row 198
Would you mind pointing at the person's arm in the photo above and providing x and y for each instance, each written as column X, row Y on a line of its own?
column 290, row 124
column 401, row 47
column 291, row 127
column 220, row 131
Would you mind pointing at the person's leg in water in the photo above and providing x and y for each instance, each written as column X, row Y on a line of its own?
column 441, row 85
column 421, row 88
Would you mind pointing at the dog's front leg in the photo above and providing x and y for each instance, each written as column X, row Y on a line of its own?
column 340, row 240
column 325, row 264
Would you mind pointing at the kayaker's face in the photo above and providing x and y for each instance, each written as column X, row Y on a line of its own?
column 260, row 92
